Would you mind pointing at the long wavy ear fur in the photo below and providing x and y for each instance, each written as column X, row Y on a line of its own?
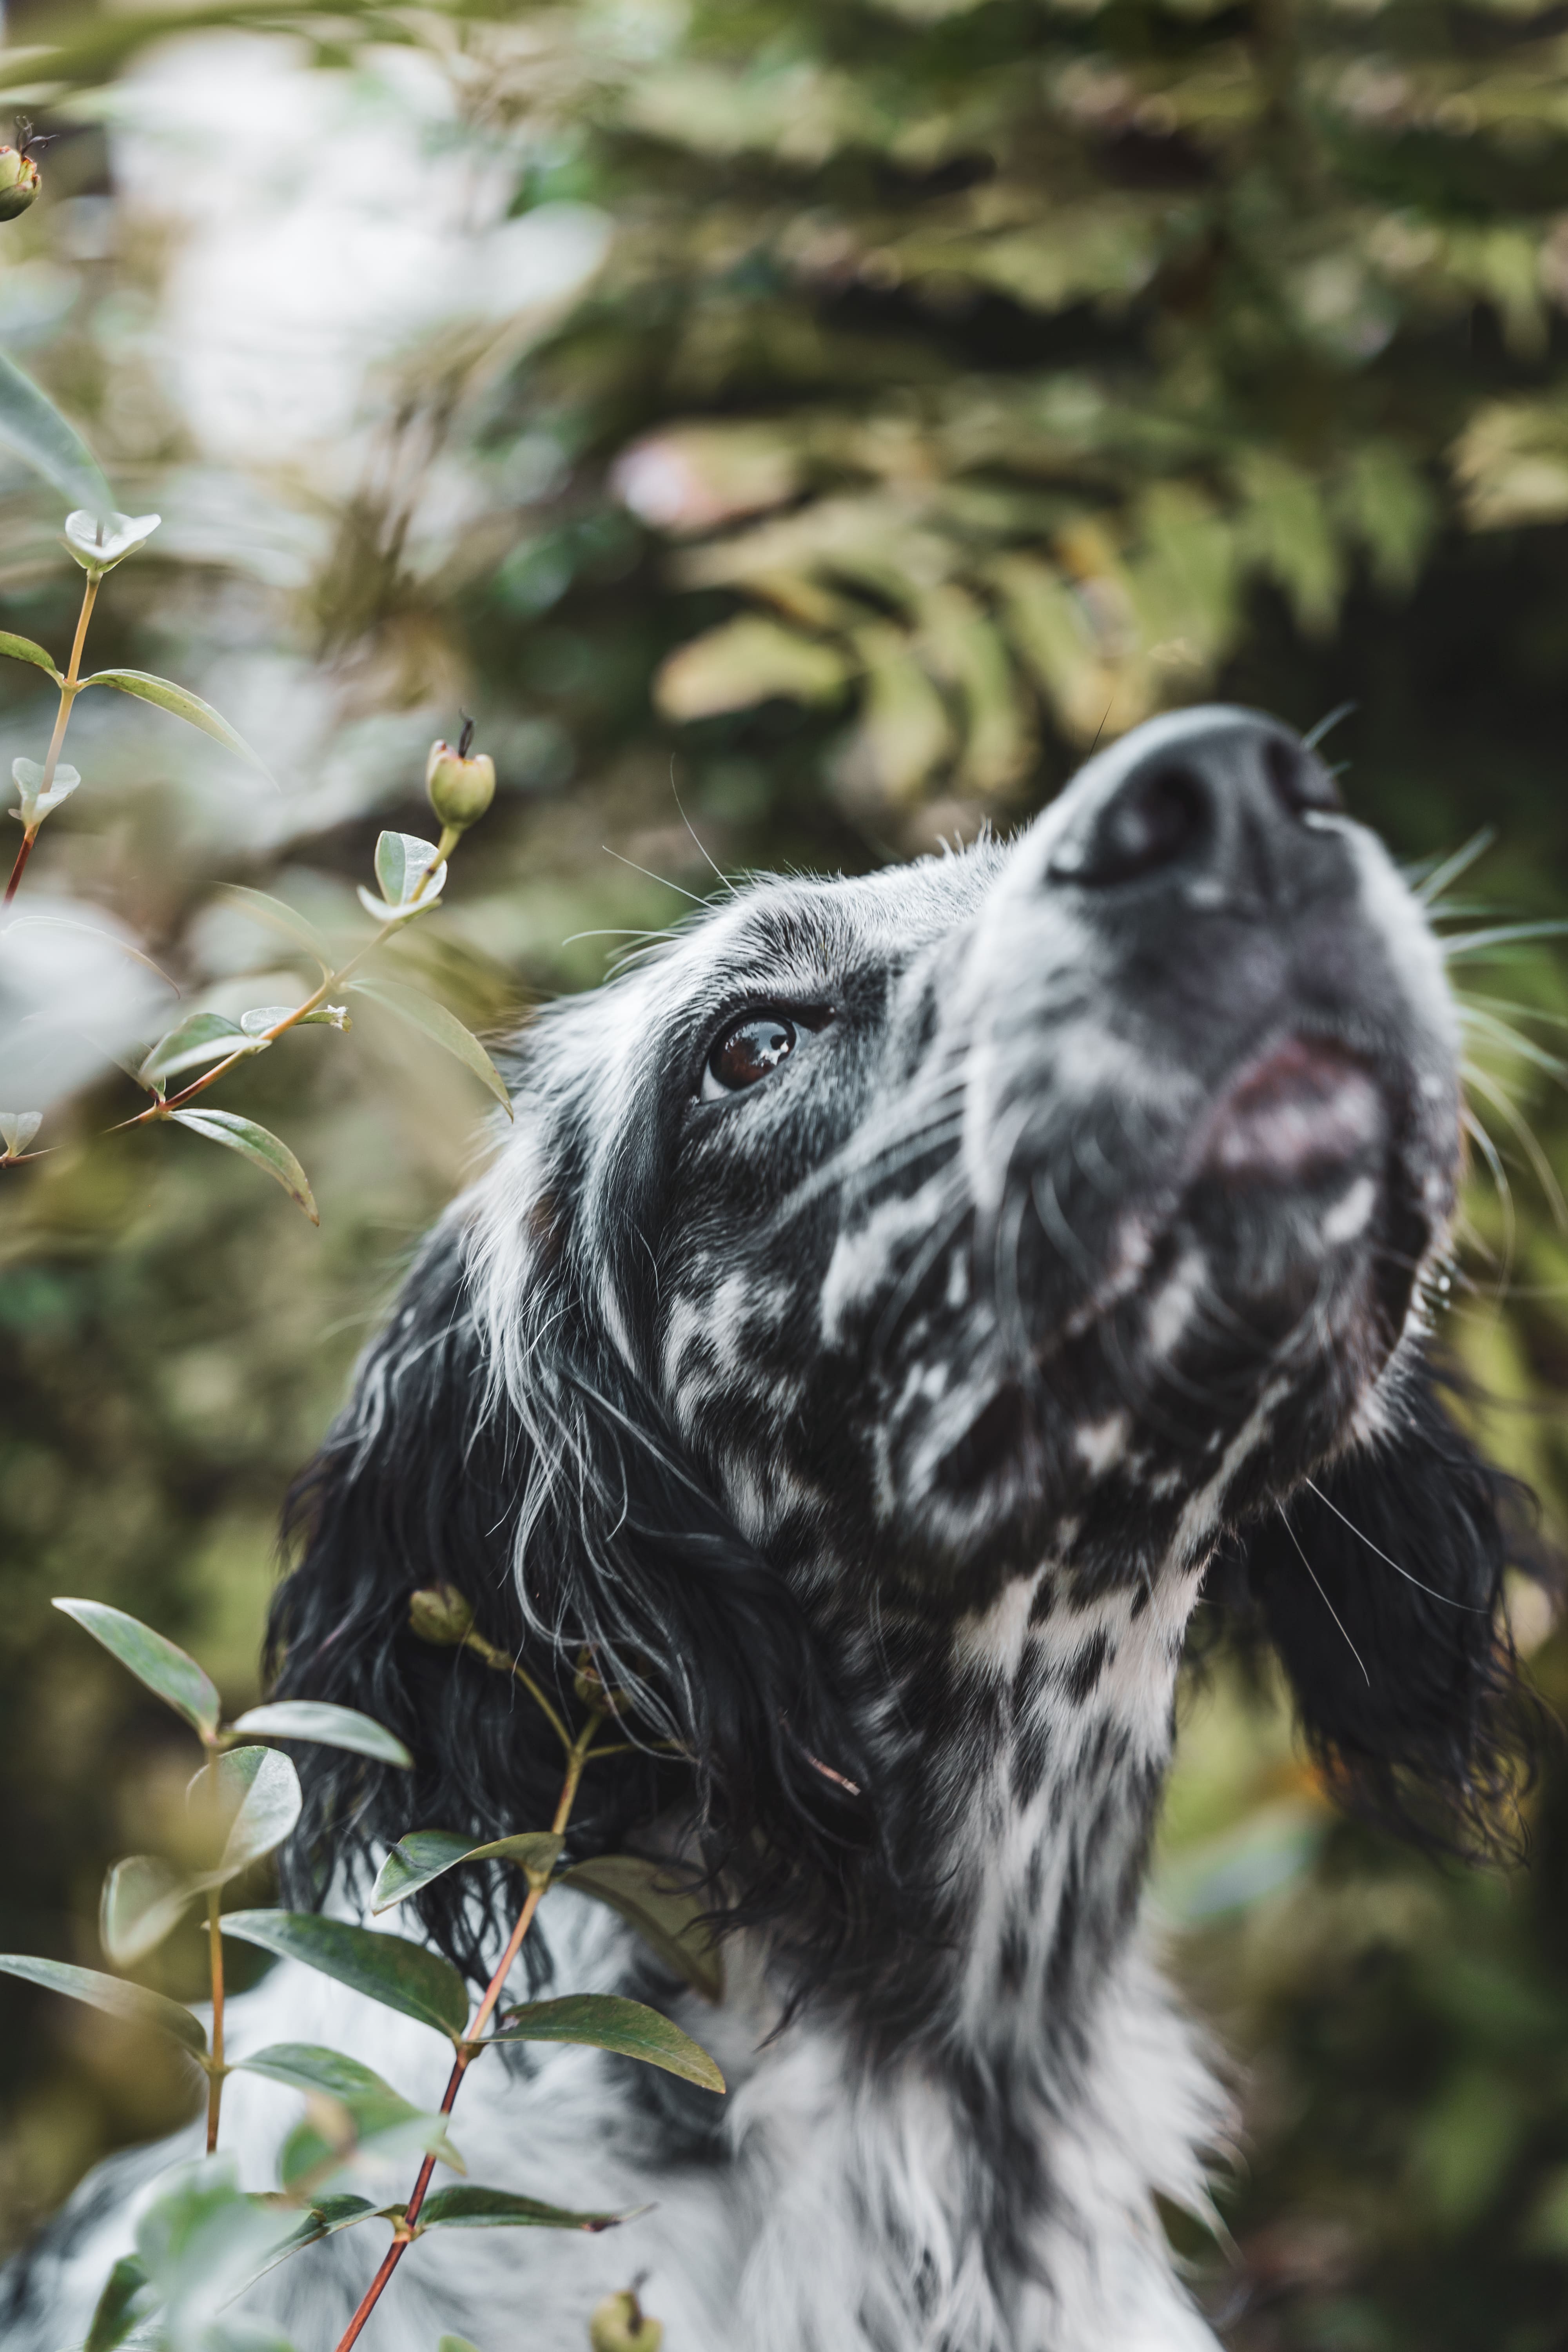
column 1380, row 1588
column 581, row 1526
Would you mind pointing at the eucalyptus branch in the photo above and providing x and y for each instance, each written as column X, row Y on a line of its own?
column 70, row 686
column 167, row 1104
column 472, row 2045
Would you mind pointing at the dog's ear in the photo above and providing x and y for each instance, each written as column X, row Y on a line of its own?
column 1380, row 1587
column 547, row 1495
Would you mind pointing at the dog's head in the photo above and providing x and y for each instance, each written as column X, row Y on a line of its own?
column 874, row 1242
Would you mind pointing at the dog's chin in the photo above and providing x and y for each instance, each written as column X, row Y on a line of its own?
column 1277, row 1258
column 1298, row 1201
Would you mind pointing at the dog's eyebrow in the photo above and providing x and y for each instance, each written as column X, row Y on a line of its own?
column 771, row 946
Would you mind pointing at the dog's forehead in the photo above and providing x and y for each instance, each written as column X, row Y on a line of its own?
column 789, row 931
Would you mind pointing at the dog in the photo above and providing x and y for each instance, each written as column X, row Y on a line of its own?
column 899, row 1300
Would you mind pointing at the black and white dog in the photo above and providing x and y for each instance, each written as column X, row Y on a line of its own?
column 897, row 1298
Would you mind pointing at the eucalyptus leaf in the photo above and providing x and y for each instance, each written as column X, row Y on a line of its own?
column 36, row 803
column 112, row 1994
column 181, row 703
column 24, row 649
column 266, row 1016
column 144, row 1898
column 605, row 2021
column 201, row 1037
column 253, row 1796
column 497, row 2208
column 329, row 1727
column 98, row 544
column 422, row 1013
column 203, row 2241
column 33, row 427
column 18, row 1128
column 128, row 2298
column 389, row 1969
column 371, row 2105
column 166, row 1670
column 402, row 862
column 323, row 2218
column 255, row 1143
column 329, row 2160
column 425, row 1854
column 668, row 1918
column 283, row 920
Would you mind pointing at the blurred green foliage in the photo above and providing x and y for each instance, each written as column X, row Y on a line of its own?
column 944, row 386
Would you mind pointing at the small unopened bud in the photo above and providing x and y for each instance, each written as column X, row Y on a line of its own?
column 589, row 1690
column 461, row 783
column 620, row 2324
column 19, row 182
column 439, row 1613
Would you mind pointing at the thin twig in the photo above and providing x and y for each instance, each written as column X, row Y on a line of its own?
column 70, row 688
column 472, row 2045
column 165, row 1105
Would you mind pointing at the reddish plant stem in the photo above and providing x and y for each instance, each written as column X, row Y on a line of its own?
column 471, row 2047
column 20, row 866
column 162, row 1109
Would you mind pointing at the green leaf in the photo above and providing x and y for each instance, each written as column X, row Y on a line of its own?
column 24, row 649
column 97, row 548
column 143, row 1898
column 281, row 919
column 33, row 427
column 324, row 2219
column 605, row 2021
column 18, row 1128
column 425, row 1854
column 402, row 862
column 129, row 2298
column 372, row 2104
column 668, row 1918
column 456, row 2344
column 181, row 704
column 383, row 2123
column 257, row 1144
column 203, row 2241
column 400, row 1974
column 110, row 1994
column 168, row 1671
column 497, row 2208
column 266, row 1016
column 327, row 1726
column 256, row 1802
column 200, row 1037
column 424, row 1013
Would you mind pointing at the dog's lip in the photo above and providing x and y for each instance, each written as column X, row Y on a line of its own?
column 1303, row 1108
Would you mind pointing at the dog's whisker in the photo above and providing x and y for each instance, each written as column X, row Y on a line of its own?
column 1446, row 1599
column 1327, row 1602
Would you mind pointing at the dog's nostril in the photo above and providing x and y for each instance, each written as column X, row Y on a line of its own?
column 1300, row 781
column 1154, row 820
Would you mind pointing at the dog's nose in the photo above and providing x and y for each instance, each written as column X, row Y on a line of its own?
column 1215, row 796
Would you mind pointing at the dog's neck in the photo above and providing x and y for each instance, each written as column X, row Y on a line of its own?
column 1020, row 1770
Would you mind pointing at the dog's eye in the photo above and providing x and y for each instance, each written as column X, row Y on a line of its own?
column 747, row 1052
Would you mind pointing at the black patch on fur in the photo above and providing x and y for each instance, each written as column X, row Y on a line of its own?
column 1433, row 1739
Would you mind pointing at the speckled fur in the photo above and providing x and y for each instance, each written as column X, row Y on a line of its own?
column 879, row 1426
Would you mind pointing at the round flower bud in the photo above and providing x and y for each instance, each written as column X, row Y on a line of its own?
column 589, row 1690
column 19, row 182
column 619, row 2324
column 439, row 1613
column 461, row 785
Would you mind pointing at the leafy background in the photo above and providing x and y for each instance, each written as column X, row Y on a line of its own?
column 795, row 432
